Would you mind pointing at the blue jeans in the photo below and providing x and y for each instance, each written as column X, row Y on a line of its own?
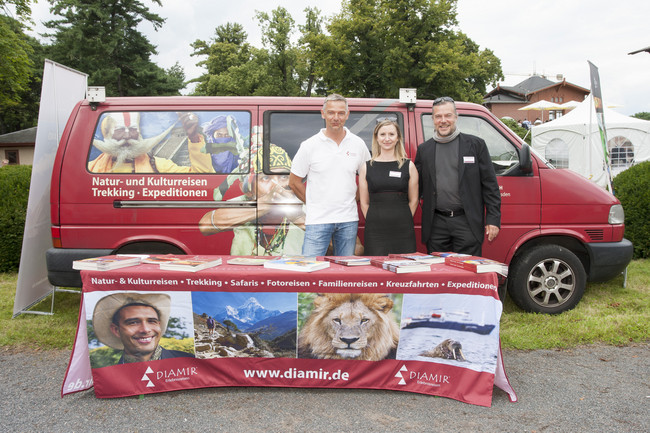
column 318, row 236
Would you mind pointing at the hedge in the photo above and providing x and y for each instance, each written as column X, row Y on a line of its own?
column 519, row 130
column 14, row 190
column 632, row 188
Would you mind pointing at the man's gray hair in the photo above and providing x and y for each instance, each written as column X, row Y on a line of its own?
column 335, row 97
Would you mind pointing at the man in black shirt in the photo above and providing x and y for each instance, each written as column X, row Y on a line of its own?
column 461, row 199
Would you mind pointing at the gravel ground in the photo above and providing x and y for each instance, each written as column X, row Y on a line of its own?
column 588, row 389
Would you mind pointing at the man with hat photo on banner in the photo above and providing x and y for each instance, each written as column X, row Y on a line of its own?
column 134, row 323
column 276, row 226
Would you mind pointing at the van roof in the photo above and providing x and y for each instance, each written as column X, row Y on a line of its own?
column 199, row 101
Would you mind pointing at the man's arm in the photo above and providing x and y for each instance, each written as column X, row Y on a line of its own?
column 413, row 189
column 362, row 191
column 200, row 162
column 418, row 166
column 298, row 187
column 491, row 193
column 222, row 219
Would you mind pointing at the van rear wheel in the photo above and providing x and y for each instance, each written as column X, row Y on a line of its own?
column 547, row 279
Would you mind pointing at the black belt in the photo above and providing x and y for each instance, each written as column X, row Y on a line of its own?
column 450, row 213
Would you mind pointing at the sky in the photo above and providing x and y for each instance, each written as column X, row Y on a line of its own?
column 550, row 37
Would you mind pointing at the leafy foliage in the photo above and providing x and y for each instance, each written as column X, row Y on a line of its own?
column 236, row 68
column 281, row 63
column 16, row 67
column 231, row 63
column 643, row 115
column 20, row 77
column 522, row 132
column 23, row 8
column 230, row 325
column 100, row 38
column 374, row 47
column 105, row 356
column 312, row 32
column 378, row 46
column 632, row 188
column 14, row 190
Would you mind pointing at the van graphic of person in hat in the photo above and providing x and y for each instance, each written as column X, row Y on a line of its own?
column 134, row 323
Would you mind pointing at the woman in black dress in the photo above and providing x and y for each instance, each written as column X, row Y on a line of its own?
column 388, row 192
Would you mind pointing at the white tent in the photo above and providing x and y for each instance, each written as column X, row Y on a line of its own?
column 573, row 142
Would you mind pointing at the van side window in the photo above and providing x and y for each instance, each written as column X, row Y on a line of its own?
column 288, row 129
column 503, row 153
column 171, row 142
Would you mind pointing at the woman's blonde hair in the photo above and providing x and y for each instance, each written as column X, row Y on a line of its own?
column 400, row 153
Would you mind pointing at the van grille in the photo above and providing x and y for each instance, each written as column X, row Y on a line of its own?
column 595, row 235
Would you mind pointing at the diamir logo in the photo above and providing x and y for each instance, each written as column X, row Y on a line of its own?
column 145, row 378
column 399, row 375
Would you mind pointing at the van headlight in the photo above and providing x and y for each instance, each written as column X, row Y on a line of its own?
column 616, row 214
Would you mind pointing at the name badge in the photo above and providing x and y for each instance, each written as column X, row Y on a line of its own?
column 395, row 174
column 468, row 159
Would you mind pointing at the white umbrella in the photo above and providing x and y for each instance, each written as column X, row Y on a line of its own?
column 542, row 106
column 569, row 105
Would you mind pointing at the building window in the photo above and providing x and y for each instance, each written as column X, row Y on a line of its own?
column 12, row 157
column 557, row 153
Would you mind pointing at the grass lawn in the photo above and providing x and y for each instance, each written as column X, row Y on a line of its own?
column 608, row 313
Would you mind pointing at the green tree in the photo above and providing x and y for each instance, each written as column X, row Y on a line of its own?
column 280, row 68
column 282, row 56
column 377, row 46
column 23, row 8
column 230, row 325
column 16, row 70
column 311, row 35
column 100, row 38
column 522, row 132
column 233, row 66
column 643, row 115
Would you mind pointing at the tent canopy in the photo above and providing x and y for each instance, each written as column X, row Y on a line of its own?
column 573, row 142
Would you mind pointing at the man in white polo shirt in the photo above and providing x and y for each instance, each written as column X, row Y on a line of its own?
column 330, row 161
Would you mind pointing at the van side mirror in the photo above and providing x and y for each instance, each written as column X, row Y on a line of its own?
column 525, row 160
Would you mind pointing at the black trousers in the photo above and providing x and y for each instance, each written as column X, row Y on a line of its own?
column 452, row 234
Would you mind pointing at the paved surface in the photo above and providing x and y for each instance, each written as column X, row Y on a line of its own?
column 589, row 389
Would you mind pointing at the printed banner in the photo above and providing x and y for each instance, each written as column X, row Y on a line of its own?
column 62, row 88
column 600, row 117
column 430, row 332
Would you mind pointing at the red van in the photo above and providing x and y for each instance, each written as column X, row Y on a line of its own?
column 209, row 175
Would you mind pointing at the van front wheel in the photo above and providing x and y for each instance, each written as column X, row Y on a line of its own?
column 547, row 279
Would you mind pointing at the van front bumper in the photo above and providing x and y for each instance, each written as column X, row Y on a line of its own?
column 59, row 264
column 608, row 259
